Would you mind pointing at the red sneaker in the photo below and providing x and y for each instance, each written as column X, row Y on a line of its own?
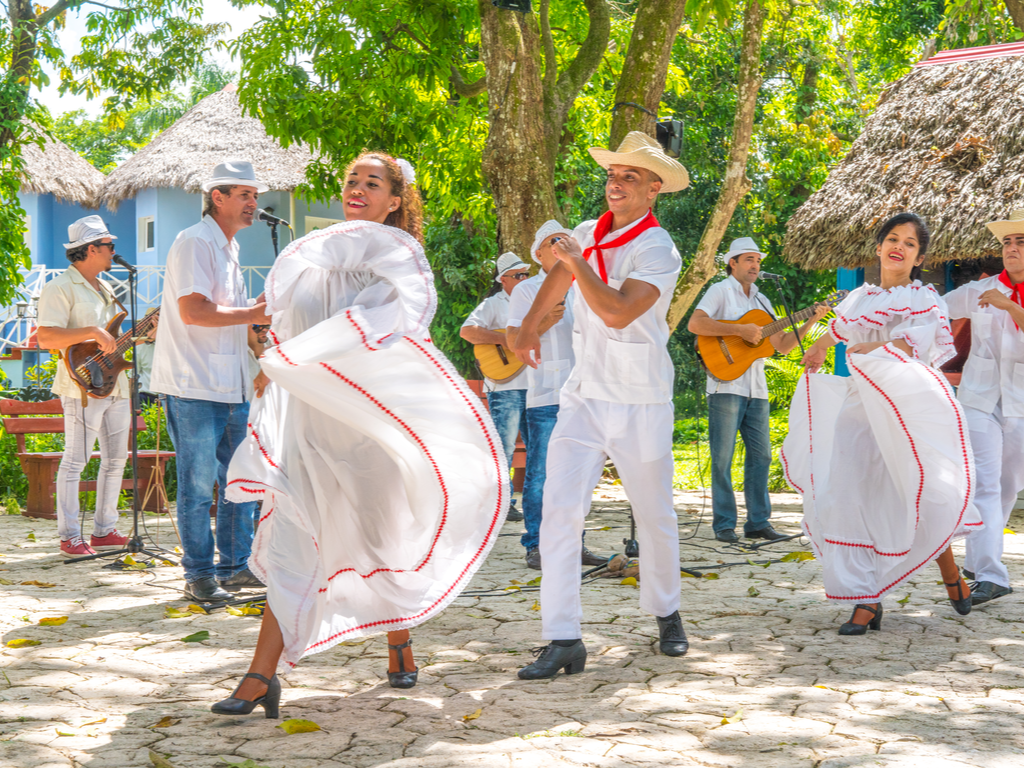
column 75, row 547
column 112, row 540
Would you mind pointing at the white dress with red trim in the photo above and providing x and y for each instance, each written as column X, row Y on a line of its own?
column 379, row 469
column 882, row 457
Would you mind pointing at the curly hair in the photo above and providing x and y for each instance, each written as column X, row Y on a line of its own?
column 409, row 215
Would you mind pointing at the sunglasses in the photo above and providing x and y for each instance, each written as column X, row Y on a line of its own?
column 108, row 245
column 260, row 328
column 519, row 276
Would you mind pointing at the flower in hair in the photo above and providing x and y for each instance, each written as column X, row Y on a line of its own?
column 407, row 170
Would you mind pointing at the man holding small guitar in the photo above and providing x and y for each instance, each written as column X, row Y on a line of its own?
column 741, row 404
column 76, row 307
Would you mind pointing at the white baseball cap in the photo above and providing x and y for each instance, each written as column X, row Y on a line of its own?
column 235, row 172
column 506, row 263
column 87, row 230
column 547, row 229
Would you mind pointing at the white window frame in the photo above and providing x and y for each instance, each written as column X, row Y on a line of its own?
column 144, row 246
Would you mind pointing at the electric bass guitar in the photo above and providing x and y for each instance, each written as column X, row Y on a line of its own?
column 96, row 372
column 726, row 358
column 496, row 362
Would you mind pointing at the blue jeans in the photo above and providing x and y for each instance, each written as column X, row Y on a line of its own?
column 540, row 422
column 507, row 408
column 727, row 415
column 205, row 435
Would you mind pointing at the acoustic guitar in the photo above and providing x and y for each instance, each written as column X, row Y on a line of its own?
column 496, row 362
column 96, row 372
column 726, row 358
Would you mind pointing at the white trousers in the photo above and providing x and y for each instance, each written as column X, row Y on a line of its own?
column 109, row 420
column 638, row 438
column 998, row 443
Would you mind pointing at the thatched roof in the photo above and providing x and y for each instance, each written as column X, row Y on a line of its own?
column 60, row 171
column 947, row 142
column 185, row 154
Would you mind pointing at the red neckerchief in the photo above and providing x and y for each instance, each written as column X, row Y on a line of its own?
column 1016, row 292
column 604, row 226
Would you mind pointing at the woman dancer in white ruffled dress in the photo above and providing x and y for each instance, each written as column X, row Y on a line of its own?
column 379, row 469
column 882, row 457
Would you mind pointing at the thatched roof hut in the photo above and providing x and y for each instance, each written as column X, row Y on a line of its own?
column 947, row 142
column 184, row 155
column 58, row 170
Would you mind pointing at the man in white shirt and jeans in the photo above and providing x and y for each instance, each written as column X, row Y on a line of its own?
column 617, row 402
column 200, row 366
column 992, row 393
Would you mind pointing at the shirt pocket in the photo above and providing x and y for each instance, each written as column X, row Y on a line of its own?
column 981, row 380
column 627, row 362
column 224, row 373
column 554, row 374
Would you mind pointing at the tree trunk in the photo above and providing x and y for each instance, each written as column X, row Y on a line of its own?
column 646, row 67
column 735, row 185
column 24, row 30
column 1016, row 9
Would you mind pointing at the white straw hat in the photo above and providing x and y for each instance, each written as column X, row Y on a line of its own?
column 506, row 263
column 742, row 245
column 235, row 172
column 547, row 229
column 1012, row 226
column 87, row 230
column 641, row 151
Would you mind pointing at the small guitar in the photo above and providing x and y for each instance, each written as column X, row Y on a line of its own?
column 496, row 362
column 726, row 358
column 96, row 372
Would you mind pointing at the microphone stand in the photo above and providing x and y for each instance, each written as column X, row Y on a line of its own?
column 273, row 237
column 778, row 280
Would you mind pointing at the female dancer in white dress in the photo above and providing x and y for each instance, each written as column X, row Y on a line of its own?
column 379, row 469
column 882, row 457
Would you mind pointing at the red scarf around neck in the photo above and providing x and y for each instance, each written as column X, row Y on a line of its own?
column 1016, row 292
column 604, row 226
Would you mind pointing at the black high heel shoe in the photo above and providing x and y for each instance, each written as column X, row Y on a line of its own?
column 270, row 701
column 402, row 678
column 849, row 628
column 961, row 605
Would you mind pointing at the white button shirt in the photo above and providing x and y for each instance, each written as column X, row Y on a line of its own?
column 69, row 301
column 546, row 380
column 492, row 315
column 190, row 360
column 727, row 301
column 994, row 371
column 631, row 365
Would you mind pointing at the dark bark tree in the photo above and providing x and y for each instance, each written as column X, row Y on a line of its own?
column 1016, row 10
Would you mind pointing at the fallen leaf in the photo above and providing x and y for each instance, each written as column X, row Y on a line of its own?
column 759, row 565
column 23, row 642
column 176, row 613
column 711, row 576
column 94, row 722
column 512, row 589
column 535, row 606
column 193, row 608
column 166, row 722
column 734, row 719
column 34, row 583
column 753, row 592
column 1009, row 531
column 605, row 528
column 823, row 686
column 251, row 610
column 159, row 761
column 31, row 536
column 516, row 581
column 629, row 581
column 250, row 763
column 797, row 557
column 166, row 562
column 6, row 582
column 533, row 582
column 178, row 550
column 687, row 574
column 904, row 601
column 295, row 725
column 473, row 716
column 64, row 733
column 54, row 621
column 233, row 611
column 197, row 637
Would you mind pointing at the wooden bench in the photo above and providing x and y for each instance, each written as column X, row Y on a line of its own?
column 25, row 418
column 519, row 456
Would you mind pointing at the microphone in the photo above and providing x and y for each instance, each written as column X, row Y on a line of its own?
column 271, row 219
column 770, row 276
column 120, row 260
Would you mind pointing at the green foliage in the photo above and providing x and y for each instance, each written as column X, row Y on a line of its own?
column 156, row 424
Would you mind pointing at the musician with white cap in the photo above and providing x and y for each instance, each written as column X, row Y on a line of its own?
column 74, row 307
column 506, row 400
column 199, row 367
column 992, row 395
column 617, row 402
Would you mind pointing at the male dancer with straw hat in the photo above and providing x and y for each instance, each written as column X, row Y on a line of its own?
column 617, row 402
column 992, row 394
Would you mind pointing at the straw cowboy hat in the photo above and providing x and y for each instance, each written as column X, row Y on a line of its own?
column 641, row 151
column 1013, row 226
column 236, row 173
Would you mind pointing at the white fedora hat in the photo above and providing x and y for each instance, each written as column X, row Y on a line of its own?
column 235, row 172
column 506, row 263
column 742, row 245
column 641, row 151
column 86, row 230
column 1012, row 226
column 547, row 229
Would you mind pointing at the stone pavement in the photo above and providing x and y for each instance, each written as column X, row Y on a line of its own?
column 116, row 681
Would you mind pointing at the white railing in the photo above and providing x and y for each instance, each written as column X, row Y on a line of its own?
column 15, row 330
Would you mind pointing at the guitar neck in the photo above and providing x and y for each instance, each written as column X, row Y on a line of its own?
column 784, row 323
column 125, row 341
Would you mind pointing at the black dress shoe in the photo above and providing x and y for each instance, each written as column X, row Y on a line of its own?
column 533, row 558
column 849, row 628
column 728, row 536
column 270, row 701
column 514, row 515
column 983, row 591
column 961, row 604
column 244, row 579
column 589, row 558
column 206, row 590
column 969, row 575
column 673, row 637
column 403, row 678
column 767, row 532
column 551, row 658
